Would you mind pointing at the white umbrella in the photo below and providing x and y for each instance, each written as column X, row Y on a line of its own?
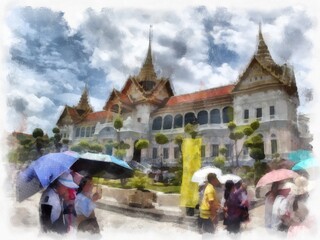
column 229, row 176
column 200, row 176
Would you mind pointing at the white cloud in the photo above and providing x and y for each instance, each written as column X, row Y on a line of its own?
column 133, row 46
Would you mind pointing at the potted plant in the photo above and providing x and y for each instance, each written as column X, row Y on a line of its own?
column 141, row 197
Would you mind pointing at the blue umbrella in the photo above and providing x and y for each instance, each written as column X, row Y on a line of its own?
column 299, row 155
column 102, row 165
column 306, row 164
column 40, row 173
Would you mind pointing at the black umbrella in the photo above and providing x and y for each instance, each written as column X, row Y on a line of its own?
column 102, row 165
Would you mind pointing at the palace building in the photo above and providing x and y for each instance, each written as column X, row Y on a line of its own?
column 265, row 91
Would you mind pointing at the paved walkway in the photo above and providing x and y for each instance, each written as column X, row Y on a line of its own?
column 113, row 215
column 175, row 214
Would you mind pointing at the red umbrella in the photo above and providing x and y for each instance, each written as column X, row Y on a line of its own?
column 276, row 175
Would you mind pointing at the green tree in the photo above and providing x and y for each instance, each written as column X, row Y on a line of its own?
column 236, row 134
column 256, row 145
column 139, row 180
column 120, row 153
column 161, row 139
column 86, row 146
column 57, row 138
column 118, row 124
column 37, row 132
column 96, row 147
column 179, row 172
column 191, row 129
column 41, row 141
column 220, row 160
column 141, row 144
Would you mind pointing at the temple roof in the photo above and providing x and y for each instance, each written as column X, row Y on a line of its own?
column 284, row 74
column 83, row 105
column 211, row 93
column 95, row 117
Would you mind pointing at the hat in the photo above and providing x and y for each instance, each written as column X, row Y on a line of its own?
column 77, row 177
column 288, row 185
column 67, row 180
column 303, row 185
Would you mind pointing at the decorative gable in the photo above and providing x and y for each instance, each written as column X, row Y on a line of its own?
column 262, row 72
column 68, row 116
column 255, row 76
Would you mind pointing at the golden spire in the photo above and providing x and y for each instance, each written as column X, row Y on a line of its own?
column 84, row 101
column 147, row 71
column 263, row 54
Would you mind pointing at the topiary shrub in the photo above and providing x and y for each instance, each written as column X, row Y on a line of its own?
column 142, row 143
column 161, row 138
column 219, row 161
column 255, row 125
column 118, row 123
column 120, row 153
column 139, row 181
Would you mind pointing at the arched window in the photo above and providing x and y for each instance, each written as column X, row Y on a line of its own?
column 202, row 117
column 157, row 123
column 215, row 116
column 93, row 128
column 227, row 114
column 189, row 118
column 177, row 121
column 83, row 131
column 88, row 130
column 77, row 132
column 167, row 122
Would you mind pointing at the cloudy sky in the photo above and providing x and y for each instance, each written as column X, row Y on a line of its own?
column 54, row 50
column 51, row 49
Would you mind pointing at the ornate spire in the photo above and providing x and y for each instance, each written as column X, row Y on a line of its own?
column 83, row 104
column 263, row 54
column 147, row 71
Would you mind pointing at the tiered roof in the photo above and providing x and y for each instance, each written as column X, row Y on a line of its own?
column 282, row 73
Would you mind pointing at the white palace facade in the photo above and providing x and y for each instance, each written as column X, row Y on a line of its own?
column 265, row 91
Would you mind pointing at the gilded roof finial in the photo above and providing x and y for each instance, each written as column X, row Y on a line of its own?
column 147, row 71
column 263, row 54
column 150, row 36
column 84, row 100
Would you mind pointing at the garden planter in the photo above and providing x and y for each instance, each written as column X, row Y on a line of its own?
column 142, row 199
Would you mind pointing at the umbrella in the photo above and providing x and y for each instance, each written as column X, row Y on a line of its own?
column 43, row 171
column 200, row 176
column 102, row 165
column 306, row 164
column 299, row 155
column 229, row 176
column 276, row 175
column 282, row 163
